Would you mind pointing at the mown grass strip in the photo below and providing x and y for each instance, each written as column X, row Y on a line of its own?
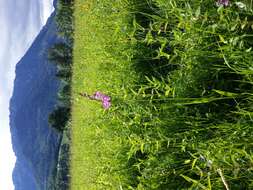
column 95, row 142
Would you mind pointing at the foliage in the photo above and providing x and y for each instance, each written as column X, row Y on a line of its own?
column 64, row 19
column 60, row 54
column 180, row 77
column 61, row 178
column 59, row 117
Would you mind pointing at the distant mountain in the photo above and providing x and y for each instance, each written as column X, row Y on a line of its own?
column 35, row 144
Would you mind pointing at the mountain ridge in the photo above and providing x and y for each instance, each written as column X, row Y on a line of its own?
column 34, row 96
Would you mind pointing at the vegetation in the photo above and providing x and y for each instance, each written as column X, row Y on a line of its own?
column 59, row 117
column 64, row 19
column 61, row 176
column 180, row 77
column 61, row 55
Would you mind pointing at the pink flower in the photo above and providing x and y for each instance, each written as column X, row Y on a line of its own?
column 106, row 104
column 98, row 95
column 106, row 98
column 102, row 97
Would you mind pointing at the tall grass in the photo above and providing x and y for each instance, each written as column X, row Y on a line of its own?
column 180, row 75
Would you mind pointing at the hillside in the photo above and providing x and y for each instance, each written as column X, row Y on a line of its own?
column 35, row 144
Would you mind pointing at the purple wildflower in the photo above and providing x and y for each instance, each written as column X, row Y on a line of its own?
column 223, row 2
column 106, row 104
column 106, row 100
column 98, row 95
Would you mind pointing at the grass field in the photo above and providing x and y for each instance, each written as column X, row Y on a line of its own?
column 95, row 139
column 179, row 74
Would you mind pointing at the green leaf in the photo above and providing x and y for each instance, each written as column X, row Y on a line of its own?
column 198, row 11
column 194, row 162
column 194, row 182
column 226, row 93
column 222, row 39
column 142, row 147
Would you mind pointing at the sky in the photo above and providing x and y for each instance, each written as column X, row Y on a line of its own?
column 20, row 23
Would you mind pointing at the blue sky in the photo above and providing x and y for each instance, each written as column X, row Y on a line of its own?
column 20, row 23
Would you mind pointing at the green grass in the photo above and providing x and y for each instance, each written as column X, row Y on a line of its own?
column 94, row 162
column 180, row 77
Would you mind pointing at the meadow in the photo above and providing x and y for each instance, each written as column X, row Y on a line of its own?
column 180, row 77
